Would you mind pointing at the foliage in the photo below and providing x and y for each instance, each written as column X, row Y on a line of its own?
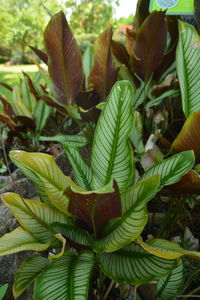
column 97, row 220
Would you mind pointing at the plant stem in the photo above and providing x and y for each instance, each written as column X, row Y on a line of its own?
column 108, row 290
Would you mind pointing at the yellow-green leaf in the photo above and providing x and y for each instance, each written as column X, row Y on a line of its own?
column 20, row 240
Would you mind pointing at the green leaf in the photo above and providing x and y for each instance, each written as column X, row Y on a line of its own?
column 77, row 140
column 134, row 265
column 34, row 216
column 158, row 100
column 188, row 65
column 88, row 61
column 169, row 286
column 122, row 231
column 41, row 113
column 81, row 171
column 72, row 232
column 66, row 277
column 49, row 180
column 27, row 272
column 166, row 249
column 112, row 156
column 141, row 93
column 64, row 59
column 20, row 240
column 172, row 169
column 3, row 290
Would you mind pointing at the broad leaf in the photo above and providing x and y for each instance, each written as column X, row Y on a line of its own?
column 165, row 249
column 169, row 286
column 121, row 54
column 189, row 183
column 88, row 61
column 49, row 180
column 78, row 140
column 64, row 62
column 95, row 208
column 27, row 272
column 42, row 55
column 65, row 278
column 104, row 73
column 189, row 137
column 188, row 64
column 150, row 45
column 20, row 240
column 81, row 171
column 134, row 265
column 172, row 169
column 72, row 232
column 34, row 216
column 122, row 231
column 112, row 156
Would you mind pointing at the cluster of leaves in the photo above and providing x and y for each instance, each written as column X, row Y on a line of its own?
column 97, row 219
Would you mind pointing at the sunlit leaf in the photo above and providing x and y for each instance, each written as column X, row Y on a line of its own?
column 104, row 73
column 150, row 45
column 49, row 180
column 78, row 140
column 112, row 156
column 64, row 59
column 20, row 240
column 88, row 61
column 34, row 216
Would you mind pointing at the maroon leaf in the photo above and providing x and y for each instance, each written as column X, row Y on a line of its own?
column 94, row 210
column 104, row 73
column 189, row 136
column 5, row 85
column 189, row 183
column 42, row 55
column 52, row 103
column 8, row 121
column 7, row 106
column 131, row 36
column 150, row 45
column 119, row 51
column 65, row 63
column 142, row 12
column 31, row 85
column 197, row 12
column 27, row 122
column 91, row 115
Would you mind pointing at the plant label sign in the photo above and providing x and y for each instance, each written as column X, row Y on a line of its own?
column 174, row 7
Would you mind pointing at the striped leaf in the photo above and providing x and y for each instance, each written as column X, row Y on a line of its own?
column 165, row 249
column 169, row 286
column 81, row 171
column 188, row 65
column 77, row 140
column 112, row 156
column 19, row 240
column 65, row 278
column 34, row 216
column 122, row 231
column 49, row 180
column 172, row 169
column 27, row 272
column 134, row 265
column 41, row 114
column 72, row 232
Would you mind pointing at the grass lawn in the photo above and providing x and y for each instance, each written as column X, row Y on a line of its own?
column 11, row 75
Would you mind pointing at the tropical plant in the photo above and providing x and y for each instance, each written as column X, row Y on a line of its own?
column 95, row 221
